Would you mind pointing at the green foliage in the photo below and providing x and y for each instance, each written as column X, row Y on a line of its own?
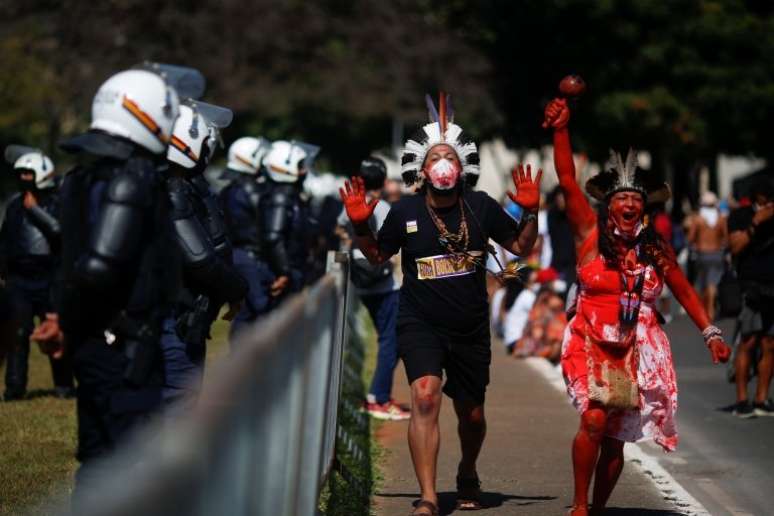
column 339, row 497
column 688, row 77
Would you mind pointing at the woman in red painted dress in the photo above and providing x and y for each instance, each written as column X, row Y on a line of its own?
column 616, row 359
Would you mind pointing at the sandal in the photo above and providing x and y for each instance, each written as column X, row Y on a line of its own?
column 425, row 504
column 468, row 493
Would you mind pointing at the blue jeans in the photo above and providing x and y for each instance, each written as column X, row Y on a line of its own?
column 383, row 309
column 182, row 369
column 259, row 279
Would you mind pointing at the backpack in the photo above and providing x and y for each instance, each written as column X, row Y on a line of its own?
column 729, row 294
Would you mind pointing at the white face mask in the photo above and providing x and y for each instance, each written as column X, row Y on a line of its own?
column 710, row 215
column 628, row 236
column 444, row 174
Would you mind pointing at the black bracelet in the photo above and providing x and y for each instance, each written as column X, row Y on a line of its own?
column 528, row 217
column 362, row 229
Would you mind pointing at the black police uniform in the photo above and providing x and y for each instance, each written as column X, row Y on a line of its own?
column 285, row 233
column 29, row 245
column 241, row 204
column 209, row 279
column 120, row 279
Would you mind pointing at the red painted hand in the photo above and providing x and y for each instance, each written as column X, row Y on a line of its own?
column 557, row 114
column 719, row 350
column 353, row 197
column 527, row 191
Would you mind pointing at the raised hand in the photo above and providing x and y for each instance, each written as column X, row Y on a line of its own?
column 527, row 191
column 719, row 350
column 353, row 197
column 557, row 114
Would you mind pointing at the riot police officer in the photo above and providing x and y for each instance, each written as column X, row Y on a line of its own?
column 120, row 266
column 285, row 217
column 30, row 241
column 210, row 279
column 241, row 203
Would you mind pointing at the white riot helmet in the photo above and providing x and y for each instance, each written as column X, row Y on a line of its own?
column 246, row 154
column 196, row 133
column 142, row 105
column 29, row 158
column 287, row 161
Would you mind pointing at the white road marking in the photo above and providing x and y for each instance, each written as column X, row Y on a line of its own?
column 665, row 483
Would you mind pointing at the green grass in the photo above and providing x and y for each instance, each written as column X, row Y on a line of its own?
column 38, row 439
column 37, row 443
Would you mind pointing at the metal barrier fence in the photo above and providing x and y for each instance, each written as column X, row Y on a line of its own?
column 261, row 439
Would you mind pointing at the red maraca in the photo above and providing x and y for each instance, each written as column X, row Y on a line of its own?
column 571, row 87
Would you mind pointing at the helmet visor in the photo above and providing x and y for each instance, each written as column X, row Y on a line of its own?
column 188, row 82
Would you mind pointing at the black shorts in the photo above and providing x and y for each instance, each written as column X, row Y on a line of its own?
column 427, row 351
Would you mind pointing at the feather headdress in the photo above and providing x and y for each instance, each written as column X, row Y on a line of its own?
column 623, row 176
column 440, row 130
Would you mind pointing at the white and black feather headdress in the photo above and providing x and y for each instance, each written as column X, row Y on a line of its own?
column 625, row 176
column 440, row 130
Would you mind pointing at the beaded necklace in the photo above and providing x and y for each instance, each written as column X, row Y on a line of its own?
column 455, row 244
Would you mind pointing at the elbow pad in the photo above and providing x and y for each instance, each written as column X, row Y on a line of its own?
column 278, row 254
column 94, row 273
column 191, row 236
column 45, row 221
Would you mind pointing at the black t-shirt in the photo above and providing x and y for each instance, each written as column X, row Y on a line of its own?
column 448, row 294
column 756, row 262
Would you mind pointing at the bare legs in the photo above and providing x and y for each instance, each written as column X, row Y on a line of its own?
column 708, row 296
column 609, row 467
column 424, row 434
column 471, row 428
column 591, row 450
column 765, row 367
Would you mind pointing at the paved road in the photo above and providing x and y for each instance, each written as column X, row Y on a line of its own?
column 525, row 465
column 725, row 462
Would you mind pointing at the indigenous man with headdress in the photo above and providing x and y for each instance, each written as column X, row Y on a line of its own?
column 616, row 358
column 443, row 323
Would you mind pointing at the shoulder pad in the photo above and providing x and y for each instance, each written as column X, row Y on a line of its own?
column 128, row 188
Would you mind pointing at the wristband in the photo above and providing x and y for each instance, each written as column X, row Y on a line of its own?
column 711, row 332
column 362, row 229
